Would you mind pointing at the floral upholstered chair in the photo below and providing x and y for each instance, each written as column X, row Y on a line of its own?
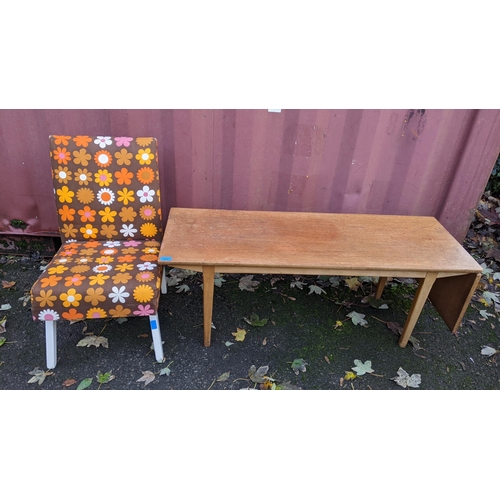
column 107, row 195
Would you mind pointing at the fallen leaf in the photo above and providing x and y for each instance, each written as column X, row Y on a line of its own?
column 255, row 321
column 327, row 359
column 247, row 283
column 84, row 384
column 264, row 342
column 352, row 283
column 2, row 340
column 297, row 284
column 120, row 321
column 227, row 344
column 38, row 376
column 69, row 382
column 104, row 378
column 166, row 371
column 488, row 351
column 8, row 284
column 93, row 340
column 490, row 297
column 223, row 377
column 485, row 314
column 378, row 303
column 298, row 365
column 315, row 289
column 357, row 318
column 3, row 322
column 362, row 368
column 350, row 376
column 394, row 327
column 338, row 324
column 258, row 375
column 147, row 377
column 182, row 289
column 5, row 307
column 239, row 334
column 404, row 380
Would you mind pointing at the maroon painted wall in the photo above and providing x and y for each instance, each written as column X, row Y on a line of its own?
column 410, row 162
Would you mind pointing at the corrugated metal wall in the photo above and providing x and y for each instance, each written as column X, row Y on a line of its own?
column 410, row 162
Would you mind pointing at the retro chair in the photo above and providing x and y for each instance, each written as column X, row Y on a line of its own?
column 107, row 195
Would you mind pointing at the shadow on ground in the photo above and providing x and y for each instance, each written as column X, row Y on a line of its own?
column 308, row 324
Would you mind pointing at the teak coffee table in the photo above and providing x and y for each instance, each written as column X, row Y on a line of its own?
column 259, row 242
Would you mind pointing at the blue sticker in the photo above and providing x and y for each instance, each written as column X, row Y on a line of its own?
column 154, row 325
column 165, row 259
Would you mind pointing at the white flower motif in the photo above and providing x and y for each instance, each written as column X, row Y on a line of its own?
column 48, row 315
column 146, row 194
column 118, row 294
column 112, row 244
column 106, row 196
column 128, row 230
column 146, row 266
column 102, row 268
column 103, row 141
column 71, row 241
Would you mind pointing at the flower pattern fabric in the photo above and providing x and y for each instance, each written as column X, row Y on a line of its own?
column 107, row 195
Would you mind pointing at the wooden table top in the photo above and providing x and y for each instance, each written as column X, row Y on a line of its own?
column 299, row 240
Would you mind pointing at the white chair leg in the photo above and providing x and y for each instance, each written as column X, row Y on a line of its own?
column 155, row 332
column 164, row 281
column 51, row 343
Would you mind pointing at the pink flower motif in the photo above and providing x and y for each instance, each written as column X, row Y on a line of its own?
column 131, row 243
column 123, row 141
column 144, row 311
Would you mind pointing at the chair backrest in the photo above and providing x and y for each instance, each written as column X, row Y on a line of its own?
column 106, row 188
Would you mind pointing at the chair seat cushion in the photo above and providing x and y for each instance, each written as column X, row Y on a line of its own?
column 99, row 279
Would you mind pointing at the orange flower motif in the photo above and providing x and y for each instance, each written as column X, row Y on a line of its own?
column 62, row 139
column 109, row 251
column 108, row 231
column 62, row 174
column 82, row 140
column 81, row 157
column 68, row 230
column 103, row 159
column 76, row 280
column 144, row 141
column 126, row 196
column 95, row 296
column 124, row 267
column 87, row 214
column 46, row 298
column 124, row 176
column 123, row 157
column 71, row 246
column 72, row 315
column 85, row 195
column 130, row 250
column 50, row 281
column 57, row 270
column 144, row 156
column 104, row 259
column 66, row 213
column 89, row 231
column 144, row 276
column 71, row 298
column 149, row 230
column 82, row 175
column 91, row 244
column 80, row 269
column 147, row 212
column 95, row 313
column 88, row 251
column 146, row 175
column 107, row 215
column 120, row 312
column 127, row 214
column 65, row 195
column 98, row 279
column 143, row 293
column 126, row 258
column 103, row 177
column 61, row 155
column 149, row 258
column 121, row 278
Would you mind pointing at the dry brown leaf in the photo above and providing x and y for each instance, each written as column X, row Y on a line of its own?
column 69, row 382
column 8, row 284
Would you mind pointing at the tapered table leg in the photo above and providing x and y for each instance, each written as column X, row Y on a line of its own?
column 208, row 302
column 380, row 286
column 417, row 306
